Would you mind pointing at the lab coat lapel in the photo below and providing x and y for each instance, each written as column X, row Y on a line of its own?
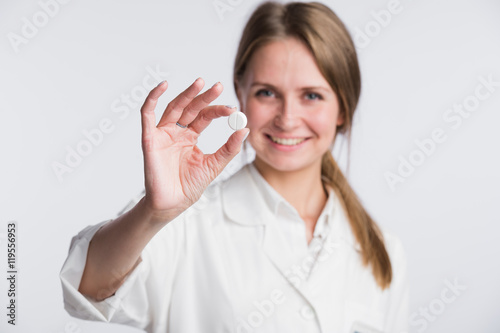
column 277, row 249
column 244, row 204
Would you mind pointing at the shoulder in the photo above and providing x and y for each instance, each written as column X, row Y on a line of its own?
column 397, row 255
column 394, row 247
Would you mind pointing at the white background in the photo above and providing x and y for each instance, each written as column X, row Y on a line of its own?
column 64, row 79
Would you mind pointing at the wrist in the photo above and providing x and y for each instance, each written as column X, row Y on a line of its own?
column 153, row 217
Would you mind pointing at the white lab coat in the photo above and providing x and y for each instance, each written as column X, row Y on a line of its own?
column 238, row 261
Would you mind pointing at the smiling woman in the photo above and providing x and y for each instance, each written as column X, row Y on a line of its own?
column 292, row 111
column 286, row 55
column 283, row 245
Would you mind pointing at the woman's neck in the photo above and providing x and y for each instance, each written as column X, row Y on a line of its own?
column 303, row 189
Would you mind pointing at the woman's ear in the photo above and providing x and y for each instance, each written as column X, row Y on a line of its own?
column 340, row 118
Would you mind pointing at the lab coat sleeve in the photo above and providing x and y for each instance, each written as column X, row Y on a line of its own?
column 144, row 293
column 398, row 314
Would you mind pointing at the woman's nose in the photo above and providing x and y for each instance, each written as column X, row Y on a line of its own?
column 286, row 117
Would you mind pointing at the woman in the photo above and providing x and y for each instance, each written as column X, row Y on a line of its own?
column 284, row 245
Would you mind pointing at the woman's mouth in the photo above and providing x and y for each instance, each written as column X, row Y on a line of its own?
column 287, row 141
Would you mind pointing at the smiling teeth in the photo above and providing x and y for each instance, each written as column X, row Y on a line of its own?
column 287, row 142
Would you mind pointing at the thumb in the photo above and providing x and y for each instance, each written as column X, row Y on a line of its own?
column 228, row 151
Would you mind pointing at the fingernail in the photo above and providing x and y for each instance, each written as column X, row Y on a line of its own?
column 246, row 136
column 215, row 83
column 230, row 106
column 159, row 84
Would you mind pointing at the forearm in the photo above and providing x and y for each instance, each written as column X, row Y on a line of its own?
column 116, row 248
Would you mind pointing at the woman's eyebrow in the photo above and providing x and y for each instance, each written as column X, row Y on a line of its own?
column 256, row 83
column 315, row 88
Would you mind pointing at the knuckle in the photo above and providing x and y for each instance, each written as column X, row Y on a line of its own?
column 206, row 98
column 205, row 118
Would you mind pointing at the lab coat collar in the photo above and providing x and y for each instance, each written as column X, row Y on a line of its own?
column 276, row 200
column 247, row 189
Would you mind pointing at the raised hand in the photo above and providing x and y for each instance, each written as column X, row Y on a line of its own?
column 176, row 170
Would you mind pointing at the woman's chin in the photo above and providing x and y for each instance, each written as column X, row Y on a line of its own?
column 281, row 164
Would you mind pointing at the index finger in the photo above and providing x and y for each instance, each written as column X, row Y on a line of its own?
column 209, row 113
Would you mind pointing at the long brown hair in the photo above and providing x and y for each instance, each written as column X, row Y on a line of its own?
column 331, row 45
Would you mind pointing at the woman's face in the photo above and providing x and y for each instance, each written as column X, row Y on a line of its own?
column 292, row 111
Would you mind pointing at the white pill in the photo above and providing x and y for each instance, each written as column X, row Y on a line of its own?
column 237, row 120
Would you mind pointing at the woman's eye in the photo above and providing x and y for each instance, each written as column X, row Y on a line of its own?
column 265, row 93
column 313, row 96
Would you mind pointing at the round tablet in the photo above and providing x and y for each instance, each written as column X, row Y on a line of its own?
column 237, row 120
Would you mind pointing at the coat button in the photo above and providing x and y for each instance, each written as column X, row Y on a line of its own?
column 307, row 312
